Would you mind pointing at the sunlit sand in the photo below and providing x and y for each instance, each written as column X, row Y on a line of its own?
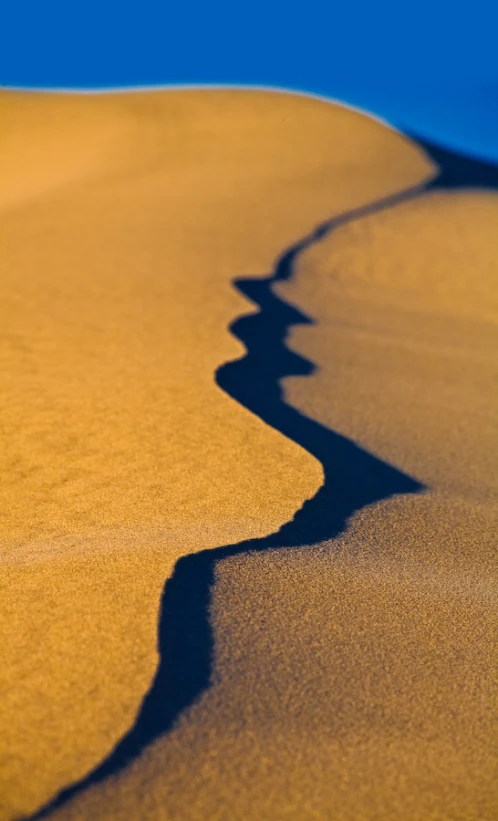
column 353, row 672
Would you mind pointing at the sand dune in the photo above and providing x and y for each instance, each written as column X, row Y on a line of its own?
column 351, row 678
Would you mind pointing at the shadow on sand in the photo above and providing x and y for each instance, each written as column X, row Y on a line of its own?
column 353, row 478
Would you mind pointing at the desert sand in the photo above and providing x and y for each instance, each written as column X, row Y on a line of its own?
column 353, row 668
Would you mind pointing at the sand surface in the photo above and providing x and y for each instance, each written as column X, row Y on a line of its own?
column 354, row 678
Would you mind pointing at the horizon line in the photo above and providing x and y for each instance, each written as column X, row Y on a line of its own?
column 131, row 89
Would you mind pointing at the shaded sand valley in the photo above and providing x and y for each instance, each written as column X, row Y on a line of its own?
column 353, row 674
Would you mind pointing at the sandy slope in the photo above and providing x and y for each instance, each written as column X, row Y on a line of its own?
column 126, row 218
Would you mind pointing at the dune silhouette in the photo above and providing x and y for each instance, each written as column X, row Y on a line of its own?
column 353, row 478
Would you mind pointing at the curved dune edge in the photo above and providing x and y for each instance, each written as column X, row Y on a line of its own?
column 111, row 264
column 352, row 678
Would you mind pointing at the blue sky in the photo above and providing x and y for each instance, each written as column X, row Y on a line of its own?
column 431, row 67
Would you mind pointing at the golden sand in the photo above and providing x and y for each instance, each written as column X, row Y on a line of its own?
column 351, row 679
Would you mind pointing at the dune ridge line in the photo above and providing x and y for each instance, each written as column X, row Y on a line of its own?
column 354, row 478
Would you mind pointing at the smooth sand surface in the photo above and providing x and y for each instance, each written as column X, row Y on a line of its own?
column 351, row 679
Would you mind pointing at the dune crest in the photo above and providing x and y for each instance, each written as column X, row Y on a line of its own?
column 123, row 454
